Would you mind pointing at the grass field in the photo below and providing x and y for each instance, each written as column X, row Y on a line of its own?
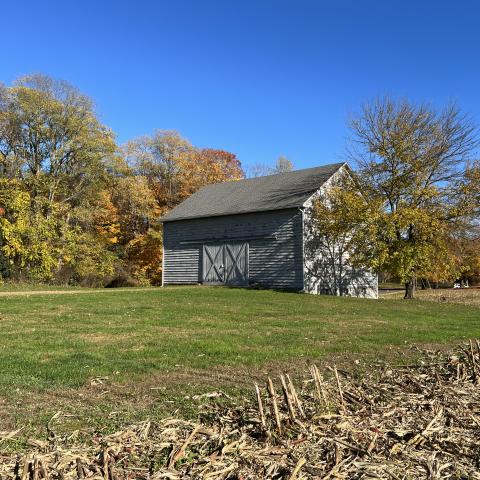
column 106, row 357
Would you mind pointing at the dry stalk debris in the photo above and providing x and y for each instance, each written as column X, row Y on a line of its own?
column 405, row 422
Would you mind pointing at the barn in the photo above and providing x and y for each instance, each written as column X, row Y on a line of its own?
column 252, row 233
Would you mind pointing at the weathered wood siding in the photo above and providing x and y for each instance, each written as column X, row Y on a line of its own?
column 275, row 247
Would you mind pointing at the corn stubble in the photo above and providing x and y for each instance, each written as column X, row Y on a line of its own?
column 417, row 421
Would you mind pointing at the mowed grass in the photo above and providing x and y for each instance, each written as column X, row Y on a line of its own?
column 57, row 346
column 62, row 341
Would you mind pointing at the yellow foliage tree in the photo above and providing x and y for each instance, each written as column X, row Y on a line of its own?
column 413, row 161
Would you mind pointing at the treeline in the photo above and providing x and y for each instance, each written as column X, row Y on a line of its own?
column 75, row 207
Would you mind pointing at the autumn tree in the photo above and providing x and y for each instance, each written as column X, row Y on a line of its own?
column 52, row 158
column 337, row 225
column 413, row 160
column 139, row 239
column 465, row 248
column 206, row 166
column 159, row 158
column 175, row 169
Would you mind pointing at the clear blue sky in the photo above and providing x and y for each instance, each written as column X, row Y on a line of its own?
column 259, row 78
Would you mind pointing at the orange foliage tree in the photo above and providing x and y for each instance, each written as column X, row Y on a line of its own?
column 206, row 166
column 175, row 169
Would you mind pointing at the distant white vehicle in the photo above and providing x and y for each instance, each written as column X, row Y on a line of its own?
column 457, row 285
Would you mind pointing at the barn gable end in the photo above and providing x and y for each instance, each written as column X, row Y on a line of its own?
column 319, row 275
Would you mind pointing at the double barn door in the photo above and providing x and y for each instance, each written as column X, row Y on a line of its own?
column 226, row 263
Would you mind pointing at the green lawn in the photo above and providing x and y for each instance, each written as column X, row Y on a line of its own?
column 151, row 347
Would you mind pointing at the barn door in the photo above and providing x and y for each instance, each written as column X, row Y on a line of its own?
column 213, row 264
column 226, row 263
column 236, row 263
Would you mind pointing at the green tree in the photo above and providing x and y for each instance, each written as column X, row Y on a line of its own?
column 28, row 246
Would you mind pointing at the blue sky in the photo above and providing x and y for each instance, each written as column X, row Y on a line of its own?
column 258, row 78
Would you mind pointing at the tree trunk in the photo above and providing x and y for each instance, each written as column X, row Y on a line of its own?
column 410, row 289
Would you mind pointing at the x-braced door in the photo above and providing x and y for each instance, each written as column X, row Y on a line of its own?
column 226, row 263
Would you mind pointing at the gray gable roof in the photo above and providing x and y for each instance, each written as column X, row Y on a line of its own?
column 273, row 192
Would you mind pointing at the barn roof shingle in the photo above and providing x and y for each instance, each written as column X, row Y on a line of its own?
column 273, row 192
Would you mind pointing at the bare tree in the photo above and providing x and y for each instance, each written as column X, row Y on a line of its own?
column 283, row 165
column 259, row 169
